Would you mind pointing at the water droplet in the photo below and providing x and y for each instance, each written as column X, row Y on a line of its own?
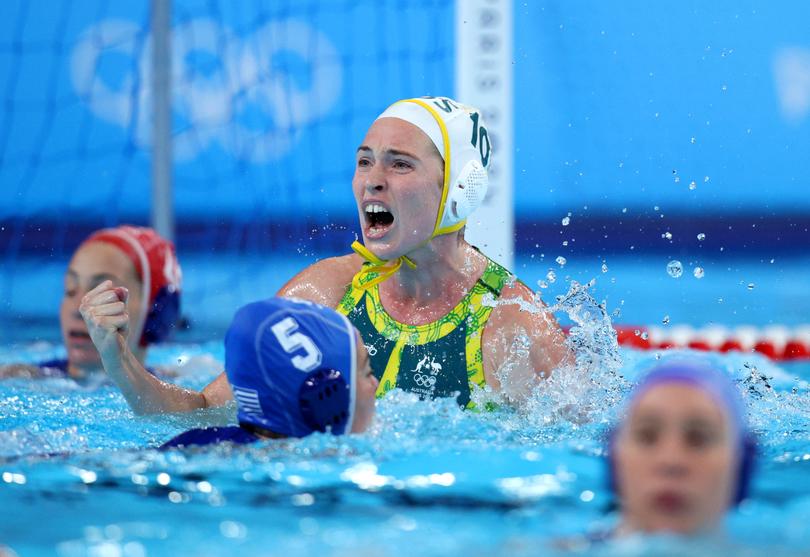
column 617, row 312
column 645, row 335
column 656, row 208
column 699, row 272
column 674, row 268
column 561, row 261
column 542, row 284
column 665, row 320
column 705, row 179
column 692, row 185
column 566, row 221
column 624, row 210
column 551, row 276
column 637, row 332
column 701, row 236
column 565, row 243
column 667, row 235
column 693, row 140
column 604, row 268
column 724, row 87
column 677, row 179
column 751, row 286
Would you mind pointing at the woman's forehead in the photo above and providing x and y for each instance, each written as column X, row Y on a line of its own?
column 395, row 133
column 677, row 400
column 98, row 257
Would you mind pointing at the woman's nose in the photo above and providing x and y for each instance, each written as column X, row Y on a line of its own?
column 672, row 458
column 375, row 179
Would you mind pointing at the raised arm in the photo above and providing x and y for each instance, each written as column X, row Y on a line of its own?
column 104, row 311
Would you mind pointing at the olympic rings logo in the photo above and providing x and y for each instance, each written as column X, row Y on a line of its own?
column 422, row 380
column 219, row 102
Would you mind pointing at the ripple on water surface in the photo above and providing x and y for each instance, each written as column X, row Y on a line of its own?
column 427, row 477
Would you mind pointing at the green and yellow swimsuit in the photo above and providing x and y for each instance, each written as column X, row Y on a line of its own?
column 433, row 360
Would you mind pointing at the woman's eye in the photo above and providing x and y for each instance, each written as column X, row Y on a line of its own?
column 698, row 438
column 645, row 436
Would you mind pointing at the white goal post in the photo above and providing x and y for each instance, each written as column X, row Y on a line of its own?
column 483, row 78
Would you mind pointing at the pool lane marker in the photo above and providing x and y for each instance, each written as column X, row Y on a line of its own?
column 777, row 342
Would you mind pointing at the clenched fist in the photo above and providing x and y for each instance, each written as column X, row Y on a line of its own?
column 104, row 310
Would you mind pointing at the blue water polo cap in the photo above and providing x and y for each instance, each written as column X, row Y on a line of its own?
column 292, row 366
column 702, row 374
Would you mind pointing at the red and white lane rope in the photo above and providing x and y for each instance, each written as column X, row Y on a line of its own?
column 776, row 342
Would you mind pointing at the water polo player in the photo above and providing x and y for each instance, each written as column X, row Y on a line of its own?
column 142, row 278
column 683, row 454
column 424, row 299
column 295, row 368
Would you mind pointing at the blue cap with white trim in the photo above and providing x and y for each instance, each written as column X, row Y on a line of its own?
column 292, row 365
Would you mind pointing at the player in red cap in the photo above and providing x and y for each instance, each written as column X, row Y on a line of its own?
column 142, row 269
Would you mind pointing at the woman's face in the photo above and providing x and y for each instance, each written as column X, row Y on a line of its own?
column 675, row 461
column 397, row 186
column 366, row 390
column 91, row 265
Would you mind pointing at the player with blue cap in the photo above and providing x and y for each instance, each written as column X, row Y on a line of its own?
column 295, row 368
column 684, row 453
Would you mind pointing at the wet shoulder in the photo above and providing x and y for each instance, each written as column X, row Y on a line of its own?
column 324, row 282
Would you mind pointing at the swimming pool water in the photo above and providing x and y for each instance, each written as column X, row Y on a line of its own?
column 79, row 475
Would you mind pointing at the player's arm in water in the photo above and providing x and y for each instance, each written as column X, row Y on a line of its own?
column 104, row 310
column 522, row 344
column 20, row 371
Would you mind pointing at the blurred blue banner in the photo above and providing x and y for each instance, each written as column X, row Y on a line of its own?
column 269, row 102
column 634, row 108
column 696, row 107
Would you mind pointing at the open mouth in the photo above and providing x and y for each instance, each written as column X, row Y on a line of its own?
column 378, row 219
column 670, row 502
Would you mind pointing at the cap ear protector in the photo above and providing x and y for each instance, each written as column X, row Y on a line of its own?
column 324, row 399
column 747, row 462
column 466, row 194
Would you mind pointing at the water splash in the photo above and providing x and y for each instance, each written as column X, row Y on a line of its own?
column 674, row 268
column 584, row 388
